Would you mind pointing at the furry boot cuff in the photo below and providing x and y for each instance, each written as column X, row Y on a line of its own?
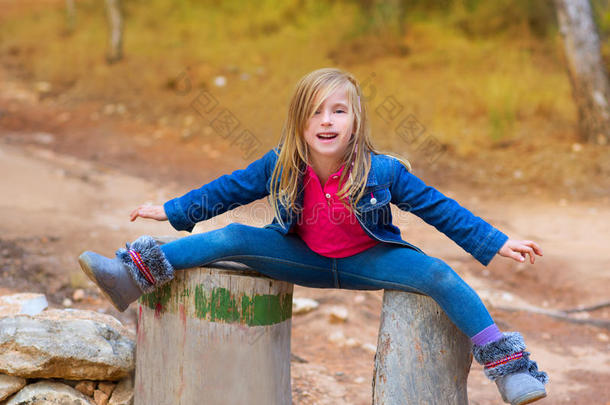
column 507, row 356
column 146, row 263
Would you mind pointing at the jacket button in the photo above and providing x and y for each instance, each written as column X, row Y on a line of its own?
column 327, row 195
column 373, row 200
column 335, row 177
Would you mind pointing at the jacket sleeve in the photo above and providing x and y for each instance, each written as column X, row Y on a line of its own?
column 470, row 232
column 225, row 193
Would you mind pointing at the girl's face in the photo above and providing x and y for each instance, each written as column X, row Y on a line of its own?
column 328, row 131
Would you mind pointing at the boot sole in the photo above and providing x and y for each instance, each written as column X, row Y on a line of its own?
column 86, row 267
column 529, row 398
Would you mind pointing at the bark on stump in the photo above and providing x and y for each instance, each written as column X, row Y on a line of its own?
column 215, row 336
column 422, row 358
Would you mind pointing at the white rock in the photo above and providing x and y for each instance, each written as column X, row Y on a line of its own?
column 337, row 337
column 506, row 296
column 49, row 393
column 69, row 344
column 303, row 305
column 369, row 347
column 337, row 314
column 78, row 295
column 351, row 342
column 220, row 81
column 9, row 385
column 602, row 337
column 22, row 303
column 359, row 299
column 44, row 138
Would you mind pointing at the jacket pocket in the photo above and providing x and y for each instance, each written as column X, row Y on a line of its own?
column 374, row 197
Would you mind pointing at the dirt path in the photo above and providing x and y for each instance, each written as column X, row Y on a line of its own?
column 61, row 196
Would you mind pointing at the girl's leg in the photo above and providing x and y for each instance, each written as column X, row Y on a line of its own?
column 143, row 265
column 282, row 257
column 402, row 268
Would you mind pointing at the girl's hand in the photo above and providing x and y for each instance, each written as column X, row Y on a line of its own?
column 149, row 211
column 518, row 249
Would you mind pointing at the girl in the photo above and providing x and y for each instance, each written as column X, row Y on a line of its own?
column 330, row 190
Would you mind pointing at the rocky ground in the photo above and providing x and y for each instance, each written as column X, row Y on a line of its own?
column 71, row 177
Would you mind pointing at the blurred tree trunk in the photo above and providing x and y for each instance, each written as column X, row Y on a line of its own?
column 115, row 26
column 70, row 15
column 586, row 69
column 386, row 14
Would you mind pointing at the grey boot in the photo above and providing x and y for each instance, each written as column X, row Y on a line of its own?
column 507, row 363
column 140, row 268
column 112, row 277
column 520, row 388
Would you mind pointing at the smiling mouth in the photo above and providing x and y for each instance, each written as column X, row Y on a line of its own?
column 327, row 135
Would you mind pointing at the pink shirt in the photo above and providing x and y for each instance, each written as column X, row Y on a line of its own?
column 327, row 227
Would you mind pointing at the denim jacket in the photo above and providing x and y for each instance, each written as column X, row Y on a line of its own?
column 388, row 182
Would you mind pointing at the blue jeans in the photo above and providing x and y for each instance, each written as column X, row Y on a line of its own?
column 288, row 258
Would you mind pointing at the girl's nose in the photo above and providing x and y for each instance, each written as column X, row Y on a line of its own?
column 326, row 119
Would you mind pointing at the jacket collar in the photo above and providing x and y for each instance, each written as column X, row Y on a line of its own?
column 370, row 181
column 372, row 177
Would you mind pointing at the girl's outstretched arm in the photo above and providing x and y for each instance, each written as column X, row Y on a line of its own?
column 472, row 233
column 148, row 211
column 518, row 249
column 222, row 194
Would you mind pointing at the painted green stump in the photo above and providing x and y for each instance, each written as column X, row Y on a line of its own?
column 215, row 336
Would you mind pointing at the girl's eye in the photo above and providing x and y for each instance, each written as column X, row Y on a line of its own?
column 340, row 111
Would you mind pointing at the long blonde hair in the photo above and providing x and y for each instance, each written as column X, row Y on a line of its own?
column 293, row 157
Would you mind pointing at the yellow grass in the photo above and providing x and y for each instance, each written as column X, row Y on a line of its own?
column 468, row 93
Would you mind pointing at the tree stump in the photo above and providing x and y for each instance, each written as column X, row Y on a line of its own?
column 422, row 358
column 215, row 336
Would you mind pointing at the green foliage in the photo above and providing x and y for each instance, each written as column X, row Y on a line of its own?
column 477, row 17
column 473, row 17
column 381, row 17
column 501, row 121
column 468, row 84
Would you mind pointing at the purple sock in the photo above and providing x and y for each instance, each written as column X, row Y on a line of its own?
column 487, row 335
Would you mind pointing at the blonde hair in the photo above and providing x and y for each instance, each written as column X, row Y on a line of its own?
column 309, row 94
